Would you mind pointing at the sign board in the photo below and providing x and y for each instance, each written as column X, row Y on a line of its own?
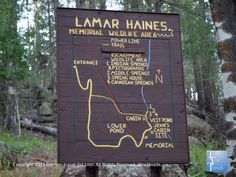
column 120, row 88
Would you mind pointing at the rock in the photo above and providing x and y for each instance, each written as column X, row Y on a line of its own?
column 45, row 109
column 214, row 175
column 124, row 171
column 231, row 173
column 109, row 171
column 194, row 121
column 231, row 134
column 200, row 128
column 194, row 141
column 11, row 90
column 46, row 119
column 32, row 114
column 8, row 156
column 173, row 170
column 74, row 171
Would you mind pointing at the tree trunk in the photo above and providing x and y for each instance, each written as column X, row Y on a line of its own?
column 208, row 96
column 224, row 17
column 80, row 3
column 36, row 127
column 199, row 84
column 36, row 28
column 208, row 85
column 210, row 105
column 51, row 9
column 12, row 122
column 173, row 7
column 17, row 113
column 68, row 3
column 11, row 106
column 158, row 5
column 3, row 104
column 126, row 5
column 102, row 4
column 92, row 4
column 134, row 4
column 56, row 4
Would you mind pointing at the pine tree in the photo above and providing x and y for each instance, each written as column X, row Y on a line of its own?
column 13, row 67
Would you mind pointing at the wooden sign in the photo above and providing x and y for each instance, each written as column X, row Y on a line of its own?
column 120, row 88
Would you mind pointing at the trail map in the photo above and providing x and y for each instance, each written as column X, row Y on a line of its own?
column 120, row 88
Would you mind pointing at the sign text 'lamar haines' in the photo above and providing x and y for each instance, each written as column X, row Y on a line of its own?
column 124, row 28
column 115, row 24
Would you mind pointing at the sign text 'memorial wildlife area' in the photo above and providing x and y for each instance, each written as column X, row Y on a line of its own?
column 120, row 88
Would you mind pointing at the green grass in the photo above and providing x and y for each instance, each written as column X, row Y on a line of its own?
column 19, row 172
column 198, row 158
column 25, row 143
column 30, row 146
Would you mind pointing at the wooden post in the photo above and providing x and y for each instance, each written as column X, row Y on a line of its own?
column 156, row 171
column 186, row 167
column 92, row 171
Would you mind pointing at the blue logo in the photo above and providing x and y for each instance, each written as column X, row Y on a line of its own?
column 216, row 161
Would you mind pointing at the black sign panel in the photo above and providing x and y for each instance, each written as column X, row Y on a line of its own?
column 120, row 88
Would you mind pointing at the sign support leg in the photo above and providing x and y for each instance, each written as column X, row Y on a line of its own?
column 156, row 171
column 92, row 171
